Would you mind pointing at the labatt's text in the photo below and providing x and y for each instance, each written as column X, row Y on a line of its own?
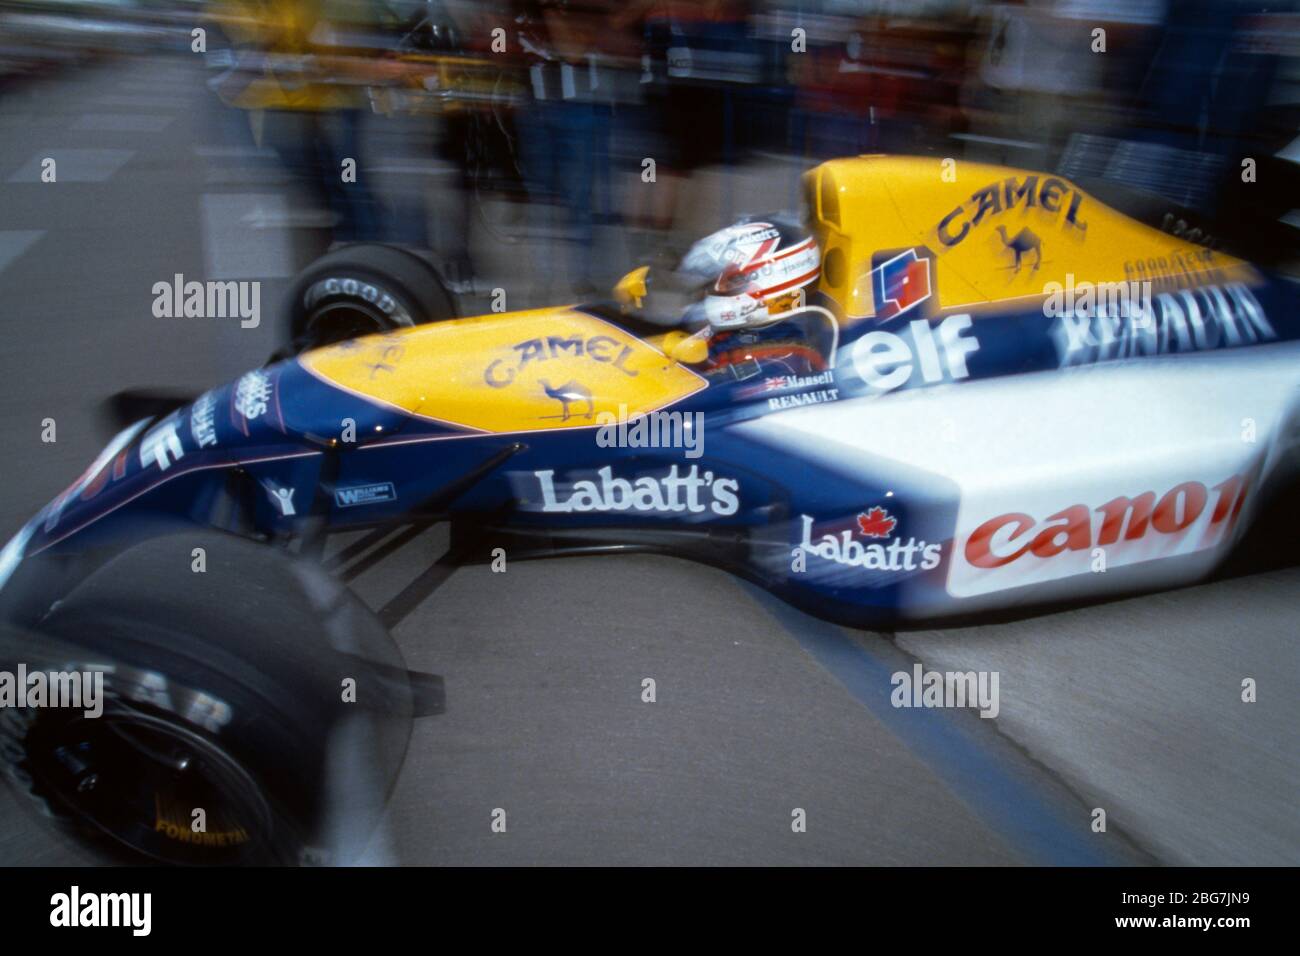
column 693, row 492
column 898, row 555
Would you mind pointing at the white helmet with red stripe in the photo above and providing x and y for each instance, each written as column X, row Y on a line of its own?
column 764, row 258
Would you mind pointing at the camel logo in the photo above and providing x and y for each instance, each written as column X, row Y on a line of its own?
column 566, row 395
column 1051, row 198
column 1023, row 243
column 485, row 372
column 901, row 282
column 596, row 348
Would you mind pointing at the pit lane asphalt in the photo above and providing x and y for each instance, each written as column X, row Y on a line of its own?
column 1132, row 706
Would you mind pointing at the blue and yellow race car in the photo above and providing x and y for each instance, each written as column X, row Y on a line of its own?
column 950, row 396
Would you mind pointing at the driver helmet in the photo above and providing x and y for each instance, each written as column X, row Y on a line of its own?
column 751, row 272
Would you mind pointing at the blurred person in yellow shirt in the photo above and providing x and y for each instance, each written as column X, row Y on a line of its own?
column 299, row 83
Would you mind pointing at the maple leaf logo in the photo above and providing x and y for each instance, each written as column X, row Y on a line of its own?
column 876, row 523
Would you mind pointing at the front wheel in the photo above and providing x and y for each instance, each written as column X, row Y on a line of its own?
column 253, row 713
column 362, row 290
column 143, row 781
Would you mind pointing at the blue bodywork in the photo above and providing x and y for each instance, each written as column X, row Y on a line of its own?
column 281, row 471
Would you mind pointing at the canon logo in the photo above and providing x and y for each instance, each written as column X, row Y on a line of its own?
column 1009, row 537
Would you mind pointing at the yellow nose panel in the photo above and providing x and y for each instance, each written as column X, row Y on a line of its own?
column 517, row 371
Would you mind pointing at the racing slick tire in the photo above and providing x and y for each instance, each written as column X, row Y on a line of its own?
column 360, row 290
column 225, row 691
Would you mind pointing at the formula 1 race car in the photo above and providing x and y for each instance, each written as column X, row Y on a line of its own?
column 1001, row 394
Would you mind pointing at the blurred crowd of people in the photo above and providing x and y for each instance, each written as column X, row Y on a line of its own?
column 547, row 112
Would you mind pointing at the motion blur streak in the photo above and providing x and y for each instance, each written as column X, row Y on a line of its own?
column 539, row 150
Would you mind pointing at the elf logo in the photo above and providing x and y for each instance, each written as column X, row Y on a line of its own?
column 1188, row 517
column 917, row 354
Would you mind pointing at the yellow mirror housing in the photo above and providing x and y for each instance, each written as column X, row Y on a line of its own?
column 687, row 349
column 631, row 289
